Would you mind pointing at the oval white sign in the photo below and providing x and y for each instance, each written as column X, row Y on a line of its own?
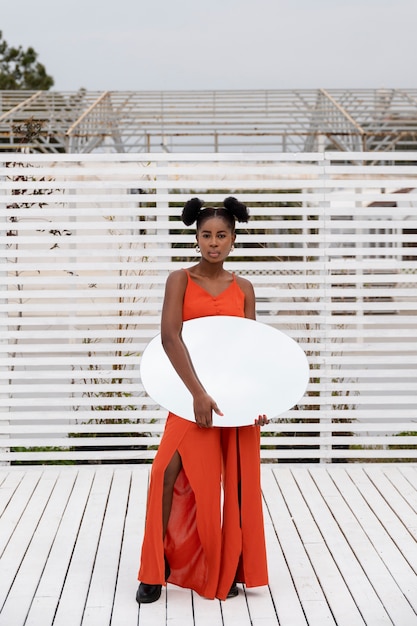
column 249, row 368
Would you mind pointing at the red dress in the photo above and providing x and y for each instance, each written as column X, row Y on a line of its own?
column 210, row 535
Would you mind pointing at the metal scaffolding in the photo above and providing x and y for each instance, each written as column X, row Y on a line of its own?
column 310, row 120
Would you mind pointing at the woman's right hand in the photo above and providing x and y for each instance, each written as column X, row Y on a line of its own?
column 204, row 405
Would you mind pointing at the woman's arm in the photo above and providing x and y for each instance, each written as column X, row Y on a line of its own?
column 171, row 327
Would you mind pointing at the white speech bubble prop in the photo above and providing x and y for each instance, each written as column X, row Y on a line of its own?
column 249, row 369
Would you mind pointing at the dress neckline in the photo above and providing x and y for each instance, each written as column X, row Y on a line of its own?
column 205, row 290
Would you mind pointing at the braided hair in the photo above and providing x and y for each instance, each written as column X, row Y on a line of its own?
column 232, row 211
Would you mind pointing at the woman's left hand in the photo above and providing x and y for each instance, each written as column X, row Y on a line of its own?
column 261, row 420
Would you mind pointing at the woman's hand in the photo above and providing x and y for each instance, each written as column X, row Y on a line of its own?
column 261, row 420
column 204, row 405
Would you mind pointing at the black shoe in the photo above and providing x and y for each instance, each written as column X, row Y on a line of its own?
column 233, row 592
column 148, row 593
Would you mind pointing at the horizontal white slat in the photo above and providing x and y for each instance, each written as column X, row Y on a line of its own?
column 377, row 415
column 280, row 293
column 136, row 349
column 109, row 441
column 131, row 206
column 155, row 220
column 66, row 235
column 403, row 333
column 91, row 442
column 315, row 361
column 325, row 158
column 129, row 172
column 173, row 183
column 285, row 247
column 316, row 204
column 329, row 379
column 212, row 183
column 156, row 428
column 79, row 347
column 68, row 415
column 367, row 265
column 71, row 319
column 144, row 455
column 80, row 423
column 267, row 284
column 281, row 321
column 155, row 194
column 88, row 384
column 73, row 334
column 332, row 453
column 69, row 455
column 76, row 401
column 89, row 381
column 393, row 307
column 331, row 403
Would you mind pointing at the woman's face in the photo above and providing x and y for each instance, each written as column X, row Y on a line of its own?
column 215, row 239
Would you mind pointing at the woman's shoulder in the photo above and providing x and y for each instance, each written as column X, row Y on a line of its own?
column 176, row 280
column 175, row 288
column 245, row 284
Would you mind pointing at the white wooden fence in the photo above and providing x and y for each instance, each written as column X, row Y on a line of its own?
column 87, row 243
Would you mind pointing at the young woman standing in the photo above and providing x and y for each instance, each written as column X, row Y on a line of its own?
column 194, row 537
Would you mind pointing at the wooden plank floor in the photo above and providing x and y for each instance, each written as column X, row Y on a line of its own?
column 341, row 541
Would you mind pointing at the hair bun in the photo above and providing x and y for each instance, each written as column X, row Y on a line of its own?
column 238, row 209
column 191, row 210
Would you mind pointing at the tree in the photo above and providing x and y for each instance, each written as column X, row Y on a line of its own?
column 20, row 69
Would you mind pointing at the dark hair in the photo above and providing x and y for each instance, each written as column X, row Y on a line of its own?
column 232, row 211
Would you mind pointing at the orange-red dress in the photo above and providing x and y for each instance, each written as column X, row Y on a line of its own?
column 211, row 535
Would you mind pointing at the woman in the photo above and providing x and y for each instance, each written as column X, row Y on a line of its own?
column 191, row 539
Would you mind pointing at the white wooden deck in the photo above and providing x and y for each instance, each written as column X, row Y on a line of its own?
column 341, row 543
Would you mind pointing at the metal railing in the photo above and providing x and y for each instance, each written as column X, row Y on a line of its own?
column 303, row 120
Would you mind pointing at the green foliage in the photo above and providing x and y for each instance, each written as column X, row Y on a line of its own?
column 43, row 461
column 20, row 69
column 399, row 446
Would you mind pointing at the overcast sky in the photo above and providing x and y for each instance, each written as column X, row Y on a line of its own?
column 218, row 44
